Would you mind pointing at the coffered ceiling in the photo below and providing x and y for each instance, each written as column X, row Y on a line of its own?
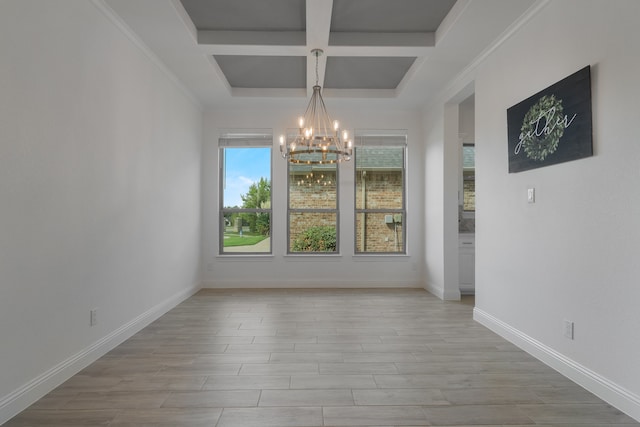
column 342, row 29
column 389, row 52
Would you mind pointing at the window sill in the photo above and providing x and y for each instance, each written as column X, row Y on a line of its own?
column 369, row 256
column 243, row 255
column 313, row 255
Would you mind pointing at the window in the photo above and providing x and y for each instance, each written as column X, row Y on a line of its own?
column 245, row 193
column 313, row 207
column 380, row 215
column 468, row 178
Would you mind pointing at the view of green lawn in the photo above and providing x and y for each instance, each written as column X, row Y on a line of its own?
column 244, row 239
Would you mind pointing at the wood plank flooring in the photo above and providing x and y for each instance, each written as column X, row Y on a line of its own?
column 318, row 358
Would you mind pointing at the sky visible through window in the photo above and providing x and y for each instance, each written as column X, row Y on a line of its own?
column 243, row 167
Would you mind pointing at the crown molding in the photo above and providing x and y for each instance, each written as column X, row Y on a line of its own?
column 119, row 23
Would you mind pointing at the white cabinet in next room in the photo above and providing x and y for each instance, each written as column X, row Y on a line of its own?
column 467, row 262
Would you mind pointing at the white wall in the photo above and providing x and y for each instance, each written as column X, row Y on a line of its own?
column 99, row 192
column 573, row 254
column 467, row 120
column 434, row 203
column 443, row 169
column 280, row 270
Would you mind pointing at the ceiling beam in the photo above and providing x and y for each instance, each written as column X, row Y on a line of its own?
column 449, row 21
column 374, row 51
column 267, row 92
column 427, row 39
column 318, row 23
column 253, row 50
column 268, row 38
column 318, row 28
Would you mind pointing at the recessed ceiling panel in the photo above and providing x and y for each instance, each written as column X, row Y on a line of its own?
column 388, row 16
column 264, row 71
column 247, row 15
column 362, row 72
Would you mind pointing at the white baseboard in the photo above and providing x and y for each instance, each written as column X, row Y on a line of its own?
column 443, row 294
column 467, row 290
column 21, row 398
column 311, row 284
column 607, row 390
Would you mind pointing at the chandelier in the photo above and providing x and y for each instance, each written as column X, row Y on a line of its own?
column 319, row 140
column 311, row 180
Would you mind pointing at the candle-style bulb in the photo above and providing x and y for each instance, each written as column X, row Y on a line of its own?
column 301, row 122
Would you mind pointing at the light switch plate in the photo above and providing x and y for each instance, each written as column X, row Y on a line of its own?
column 531, row 195
column 568, row 329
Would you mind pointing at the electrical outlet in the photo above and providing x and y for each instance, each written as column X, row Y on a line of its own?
column 568, row 329
column 93, row 317
column 531, row 195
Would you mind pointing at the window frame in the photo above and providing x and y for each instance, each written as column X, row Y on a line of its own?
column 290, row 135
column 381, row 138
column 467, row 213
column 243, row 139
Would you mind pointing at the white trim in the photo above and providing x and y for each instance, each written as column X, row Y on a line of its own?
column 24, row 396
column 466, row 76
column 309, row 284
column 607, row 390
column 378, row 256
column 186, row 19
column 440, row 292
column 119, row 23
column 436, row 291
column 467, row 290
column 450, row 20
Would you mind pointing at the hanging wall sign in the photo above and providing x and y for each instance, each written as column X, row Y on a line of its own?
column 552, row 126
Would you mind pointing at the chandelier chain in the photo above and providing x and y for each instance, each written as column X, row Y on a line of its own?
column 317, row 79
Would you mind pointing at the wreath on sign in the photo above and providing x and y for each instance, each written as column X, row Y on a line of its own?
column 540, row 133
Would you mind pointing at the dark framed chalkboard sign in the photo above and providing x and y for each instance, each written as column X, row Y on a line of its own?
column 553, row 126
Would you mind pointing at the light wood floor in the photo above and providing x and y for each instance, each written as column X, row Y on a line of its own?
column 318, row 358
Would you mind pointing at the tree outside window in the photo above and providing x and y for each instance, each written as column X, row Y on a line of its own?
column 245, row 194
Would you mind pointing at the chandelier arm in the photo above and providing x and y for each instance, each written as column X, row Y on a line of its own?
column 312, row 119
column 307, row 115
column 327, row 123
